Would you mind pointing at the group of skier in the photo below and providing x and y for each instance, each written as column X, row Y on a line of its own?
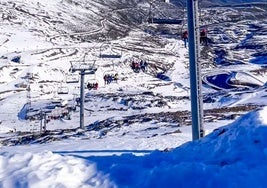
column 92, row 86
column 138, row 65
column 203, row 37
column 108, row 78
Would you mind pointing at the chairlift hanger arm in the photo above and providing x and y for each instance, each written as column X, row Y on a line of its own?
column 83, row 67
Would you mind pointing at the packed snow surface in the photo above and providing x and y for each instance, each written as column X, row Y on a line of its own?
column 231, row 156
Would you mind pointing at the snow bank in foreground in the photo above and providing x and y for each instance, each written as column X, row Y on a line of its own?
column 47, row 170
column 231, row 156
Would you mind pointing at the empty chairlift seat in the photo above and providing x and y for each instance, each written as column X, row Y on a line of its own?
column 72, row 78
column 63, row 90
column 110, row 56
column 112, row 51
column 165, row 21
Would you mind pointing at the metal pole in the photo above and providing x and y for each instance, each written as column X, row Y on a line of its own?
column 82, row 100
column 83, row 72
column 41, row 121
column 199, row 77
column 44, row 122
column 193, row 57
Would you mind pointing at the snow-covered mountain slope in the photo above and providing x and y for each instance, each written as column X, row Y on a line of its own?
column 126, row 120
column 40, row 40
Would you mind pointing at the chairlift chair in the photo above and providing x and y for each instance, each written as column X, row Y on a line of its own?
column 92, row 83
column 78, row 66
column 170, row 21
column 63, row 90
column 110, row 76
column 109, row 51
column 135, row 64
column 72, row 78
column 163, row 19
